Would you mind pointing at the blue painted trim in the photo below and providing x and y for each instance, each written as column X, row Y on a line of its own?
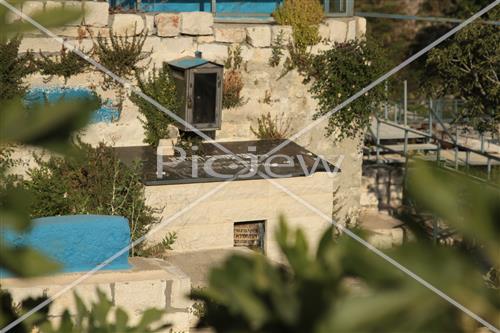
column 223, row 6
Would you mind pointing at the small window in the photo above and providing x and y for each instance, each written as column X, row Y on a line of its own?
column 250, row 234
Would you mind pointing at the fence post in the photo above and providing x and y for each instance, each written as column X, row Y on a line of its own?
column 430, row 119
column 214, row 6
column 378, row 140
column 405, row 101
column 406, row 142
column 482, row 142
column 489, row 168
column 386, row 98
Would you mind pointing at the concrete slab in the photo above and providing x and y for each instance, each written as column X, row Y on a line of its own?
column 197, row 264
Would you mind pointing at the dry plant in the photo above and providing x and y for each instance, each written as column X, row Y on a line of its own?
column 272, row 128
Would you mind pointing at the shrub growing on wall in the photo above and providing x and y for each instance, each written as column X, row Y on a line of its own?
column 339, row 73
column 304, row 16
column 93, row 182
column 65, row 64
column 13, row 68
column 160, row 86
column 233, row 82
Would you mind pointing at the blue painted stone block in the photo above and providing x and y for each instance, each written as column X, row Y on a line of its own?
column 39, row 95
column 79, row 242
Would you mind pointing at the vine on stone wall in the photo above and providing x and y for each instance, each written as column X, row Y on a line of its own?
column 337, row 74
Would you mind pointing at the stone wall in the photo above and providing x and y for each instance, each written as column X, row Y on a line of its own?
column 382, row 186
column 210, row 223
column 174, row 35
column 151, row 283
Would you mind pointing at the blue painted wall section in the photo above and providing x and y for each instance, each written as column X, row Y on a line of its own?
column 223, row 6
column 79, row 242
column 105, row 114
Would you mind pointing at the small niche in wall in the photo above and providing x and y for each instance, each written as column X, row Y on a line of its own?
column 250, row 234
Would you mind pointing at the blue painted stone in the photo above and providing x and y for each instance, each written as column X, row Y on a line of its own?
column 223, row 6
column 79, row 242
column 39, row 95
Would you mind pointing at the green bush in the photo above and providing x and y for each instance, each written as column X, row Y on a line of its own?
column 94, row 181
column 13, row 68
column 304, row 16
column 339, row 73
column 342, row 287
column 160, row 86
column 66, row 64
column 122, row 55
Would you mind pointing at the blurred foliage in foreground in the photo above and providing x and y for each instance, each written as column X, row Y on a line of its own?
column 50, row 127
column 344, row 287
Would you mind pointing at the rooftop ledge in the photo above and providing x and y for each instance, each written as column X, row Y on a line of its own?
column 214, row 165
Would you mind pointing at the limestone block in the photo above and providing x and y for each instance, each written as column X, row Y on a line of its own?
column 285, row 30
column 50, row 5
column 205, row 39
column 229, row 34
column 87, row 293
column 360, row 27
column 127, row 24
column 32, row 7
column 69, row 31
column 69, row 5
column 197, row 23
column 324, row 32
column 155, row 44
column 351, row 30
column 137, row 296
column 86, row 45
column 259, row 36
column 214, row 52
column 150, row 24
column 181, row 45
column 338, row 30
column 179, row 289
column 44, row 44
column 96, row 13
column 167, row 25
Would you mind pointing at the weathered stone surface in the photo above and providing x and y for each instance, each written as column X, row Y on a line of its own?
column 96, row 13
column 285, row 30
column 44, row 44
column 324, row 32
column 197, row 23
column 167, row 25
column 229, row 34
column 182, row 45
column 351, row 30
column 127, row 24
column 360, row 27
column 205, row 39
column 338, row 30
column 259, row 36
column 50, row 5
column 31, row 7
column 68, row 5
column 139, row 295
column 214, row 52
column 150, row 24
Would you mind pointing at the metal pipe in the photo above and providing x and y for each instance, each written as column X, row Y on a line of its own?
column 405, row 102
column 378, row 140
column 406, row 141
column 489, row 169
column 430, row 117
column 386, row 101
